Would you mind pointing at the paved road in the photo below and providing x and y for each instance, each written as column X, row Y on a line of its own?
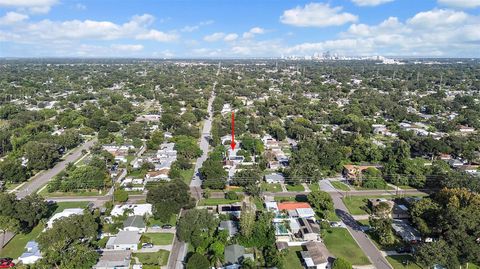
column 41, row 179
column 179, row 249
column 204, row 145
column 372, row 252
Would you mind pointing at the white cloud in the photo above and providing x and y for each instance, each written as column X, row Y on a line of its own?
column 157, row 36
column 192, row 28
column 316, row 15
column 33, row 6
column 430, row 33
column 254, row 31
column 126, row 47
column 230, row 37
column 461, row 3
column 12, row 18
column 46, row 30
column 439, row 17
column 214, row 37
column 80, row 6
column 370, row 2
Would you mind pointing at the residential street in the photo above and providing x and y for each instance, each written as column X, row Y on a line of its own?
column 372, row 252
column 179, row 249
column 38, row 181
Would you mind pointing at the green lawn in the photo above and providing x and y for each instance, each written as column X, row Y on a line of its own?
column 274, row 187
column 332, row 216
column 298, row 198
column 314, row 187
column 187, row 175
column 172, row 221
column 159, row 258
column 401, row 261
column 388, row 187
column 357, row 205
column 259, row 203
column 63, row 205
column 295, row 188
column 293, row 258
column 216, row 201
column 11, row 186
column 16, row 246
column 45, row 193
column 159, row 238
column 341, row 244
column 340, row 186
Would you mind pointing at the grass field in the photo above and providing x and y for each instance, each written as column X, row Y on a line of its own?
column 16, row 246
column 172, row 221
column 293, row 259
column 341, row 244
column 314, row 187
column 160, row 238
column 401, row 261
column 216, row 201
column 45, row 193
column 295, row 188
column 258, row 203
column 388, row 187
column 63, row 205
column 298, row 198
column 357, row 205
column 187, row 175
column 153, row 260
column 340, row 186
column 274, row 187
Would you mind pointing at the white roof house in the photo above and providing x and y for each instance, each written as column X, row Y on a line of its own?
column 305, row 212
column 32, row 253
column 64, row 214
column 138, row 209
column 125, row 240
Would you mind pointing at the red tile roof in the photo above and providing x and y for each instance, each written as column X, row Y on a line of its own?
column 292, row 205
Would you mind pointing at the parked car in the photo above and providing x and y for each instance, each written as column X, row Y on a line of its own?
column 156, row 227
column 406, row 249
column 167, row 226
column 5, row 260
column 147, row 245
column 7, row 264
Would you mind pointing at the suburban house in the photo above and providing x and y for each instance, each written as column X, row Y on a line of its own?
column 64, row 214
column 235, row 254
column 132, row 209
column 118, row 259
column 135, row 224
column 466, row 129
column 120, row 152
column 406, row 231
column 316, row 256
column 274, row 178
column 32, row 253
column 148, row 118
column 294, row 221
column 230, row 226
column 124, row 240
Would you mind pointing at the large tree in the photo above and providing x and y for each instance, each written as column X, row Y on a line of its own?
column 70, row 243
column 168, row 198
column 321, row 201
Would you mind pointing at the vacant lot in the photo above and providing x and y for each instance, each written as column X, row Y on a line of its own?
column 159, row 238
column 341, row 244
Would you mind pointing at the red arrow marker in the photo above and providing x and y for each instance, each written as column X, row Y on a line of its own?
column 233, row 144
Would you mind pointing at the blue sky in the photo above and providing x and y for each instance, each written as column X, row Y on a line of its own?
column 246, row 28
